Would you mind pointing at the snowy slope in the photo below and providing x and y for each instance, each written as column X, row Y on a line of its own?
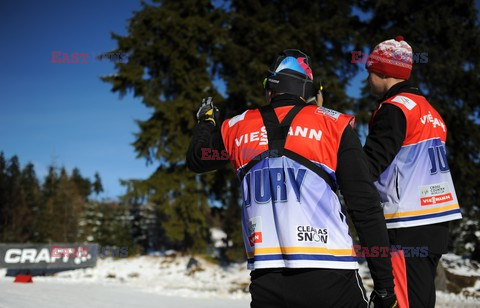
column 76, row 294
column 160, row 281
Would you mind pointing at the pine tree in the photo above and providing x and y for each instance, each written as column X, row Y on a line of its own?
column 45, row 224
column 16, row 213
column 107, row 224
column 84, row 186
column 50, row 184
column 97, row 184
column 135, row 198
column 32, row 192
column 147, row 234
column 171, row 42
column 63, row 207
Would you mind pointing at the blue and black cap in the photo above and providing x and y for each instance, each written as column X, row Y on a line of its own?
column 291, row 73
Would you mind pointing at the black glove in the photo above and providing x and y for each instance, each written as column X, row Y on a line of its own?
column 207, row 112
column 383, row 299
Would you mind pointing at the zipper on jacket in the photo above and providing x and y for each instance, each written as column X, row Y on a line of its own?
column 396, row 183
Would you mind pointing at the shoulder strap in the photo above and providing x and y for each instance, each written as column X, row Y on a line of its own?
column 277, row 132
column 277, row 136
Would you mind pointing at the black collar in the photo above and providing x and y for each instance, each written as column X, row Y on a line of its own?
column 401, row 87
column 286, row 100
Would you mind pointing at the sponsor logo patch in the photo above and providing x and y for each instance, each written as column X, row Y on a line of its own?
column 435, row 194
column 328, row 112
column 407, row 102
column 255, row 231
column 436, row 199
column 312, row 234
column 237, row 119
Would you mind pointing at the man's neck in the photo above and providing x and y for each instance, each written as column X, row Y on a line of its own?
column 286, row 100
column 391, row 82
column 403, row 86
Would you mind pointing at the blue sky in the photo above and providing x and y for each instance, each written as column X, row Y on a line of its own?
column 62, row 113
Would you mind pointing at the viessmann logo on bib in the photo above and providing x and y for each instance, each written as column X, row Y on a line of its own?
column 435, row 194
column 261, row 135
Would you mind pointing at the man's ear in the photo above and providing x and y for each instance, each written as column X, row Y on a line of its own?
column 319, row 98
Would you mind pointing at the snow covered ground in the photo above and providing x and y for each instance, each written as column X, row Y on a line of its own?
column 146, row 281
column 59, row 294
column 155, row 281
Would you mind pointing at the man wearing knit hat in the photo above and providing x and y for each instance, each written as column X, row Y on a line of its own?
column 407, row 157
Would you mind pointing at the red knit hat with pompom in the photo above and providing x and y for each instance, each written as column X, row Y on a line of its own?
column 392, row 58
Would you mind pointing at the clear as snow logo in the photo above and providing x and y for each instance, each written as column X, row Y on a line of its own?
column 255, row 231
column 312, row 234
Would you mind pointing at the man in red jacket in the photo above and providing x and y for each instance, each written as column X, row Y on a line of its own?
column 407, row 157
column 290, row 158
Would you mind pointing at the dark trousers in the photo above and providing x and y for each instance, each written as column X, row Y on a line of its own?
column 304, row 288
column 415, row 280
